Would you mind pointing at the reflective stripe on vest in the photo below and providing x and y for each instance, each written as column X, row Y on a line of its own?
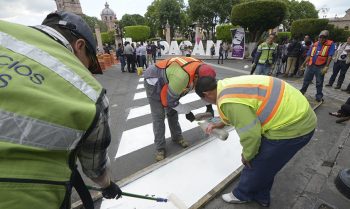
column 322, row 55
column 49, row 62
column 270, row 96
column 37, row 133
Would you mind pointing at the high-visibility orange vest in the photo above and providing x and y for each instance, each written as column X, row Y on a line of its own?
column 322, row 55
column 188, row 64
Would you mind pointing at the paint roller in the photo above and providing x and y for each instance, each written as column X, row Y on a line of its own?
column 203, row 121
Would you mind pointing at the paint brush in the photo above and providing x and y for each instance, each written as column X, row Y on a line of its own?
column 157, row 199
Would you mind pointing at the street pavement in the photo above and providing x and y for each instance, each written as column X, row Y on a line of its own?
column 305, row 182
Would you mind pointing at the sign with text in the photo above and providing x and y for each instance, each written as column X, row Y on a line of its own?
column 238, row 43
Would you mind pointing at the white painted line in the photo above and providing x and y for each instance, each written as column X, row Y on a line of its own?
column 189, row 177
column 144, row 110
column 140, row 86
column 140, row 95
column 141, row 79
column 246, row 72
column 142, row 136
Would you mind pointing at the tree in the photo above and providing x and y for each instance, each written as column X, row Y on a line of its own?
column 169, row 11
column 311, row 27
column 262, row 15
column 137, row 32
column 92, row 21
column 208, row 13
column 223, row 32
column 152, row 17
column 299, row 10
column 108, row 37
column 134, row 19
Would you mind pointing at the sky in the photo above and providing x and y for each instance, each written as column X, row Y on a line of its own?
column 32, row 12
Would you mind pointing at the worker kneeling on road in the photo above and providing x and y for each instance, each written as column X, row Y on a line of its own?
column 52, row 112
column 165, row 83
column 273, row 120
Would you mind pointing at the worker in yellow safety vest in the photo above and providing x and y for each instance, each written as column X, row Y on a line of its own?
column 273, row 120
column 53, row 112
column 318, row 59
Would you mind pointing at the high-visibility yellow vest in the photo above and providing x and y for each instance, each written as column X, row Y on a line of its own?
column 276, row 103
column 48, row 102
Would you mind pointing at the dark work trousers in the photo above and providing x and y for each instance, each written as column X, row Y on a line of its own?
column 312, row 71
column 342, row 67
column 221, row 55
column 345, row 108
column 256, row 182
column 143, row 61
column 130, row 61
column 158, row 116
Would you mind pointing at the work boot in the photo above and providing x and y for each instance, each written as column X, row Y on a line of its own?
column 337, row 87
column 160, row 155
column 230, row 198
column 182, row 142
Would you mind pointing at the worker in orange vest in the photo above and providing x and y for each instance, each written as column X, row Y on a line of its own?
column 318, row 59
column 165, row 83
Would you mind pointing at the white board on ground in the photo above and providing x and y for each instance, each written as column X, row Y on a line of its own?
column 190, row 176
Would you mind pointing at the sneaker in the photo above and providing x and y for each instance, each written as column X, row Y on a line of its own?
column 328, row 85
column 160, row 155
column 182, row 142
column 230, row 198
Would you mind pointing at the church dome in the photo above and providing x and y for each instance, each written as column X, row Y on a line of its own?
column 107, row 10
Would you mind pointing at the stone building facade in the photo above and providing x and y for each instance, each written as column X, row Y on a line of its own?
column 341, row 22
column 69, row 6
column 108, row 17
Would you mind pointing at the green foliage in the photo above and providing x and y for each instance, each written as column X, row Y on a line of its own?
column 299, row 10
column 169, row 10
column 258, row 16
column 108, row 37
column 311, row 27
column 92, row 21
column 134, row 19
column 337, row 34
column 223, row 32
column 137, row 32
column 283, row 36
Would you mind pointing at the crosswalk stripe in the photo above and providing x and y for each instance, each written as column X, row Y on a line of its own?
column 140, row 86
column 144, row 110
column 140, row 95
column 142, row 136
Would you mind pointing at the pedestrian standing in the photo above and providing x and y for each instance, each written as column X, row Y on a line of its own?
column 318, row 59
column 226, row 47
column 121, row 57
column 212, row 50
column 265, row 56
column 293, row 52
column 129, row 53
column 273, row 121
column 138, row 55
column 143, row 54
column 149, row 54
column 154, row 52
column 56, row 114
column 341, row 63
column 221, row 54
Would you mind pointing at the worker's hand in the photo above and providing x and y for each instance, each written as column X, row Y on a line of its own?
column 253, row 65
column 190, row 117
column 210, row 128
column 210, row 109
column 245, row 162
column 112, row 191
column 324, row 70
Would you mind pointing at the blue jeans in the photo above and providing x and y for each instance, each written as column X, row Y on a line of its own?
column 256, row 182
column 122, row 63
column 312, row 71
column 262, row 69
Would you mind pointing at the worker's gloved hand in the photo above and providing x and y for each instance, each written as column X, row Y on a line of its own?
column 112, row 191
column 190, row 117
column 210, row 109
column 324, row 70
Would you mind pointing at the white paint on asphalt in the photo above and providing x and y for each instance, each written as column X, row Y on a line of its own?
column 141, row 80
column 230, row 68
column 142, row 136
column 140, row 95
column 190, row 176
column 140, row 86
column 144, row 110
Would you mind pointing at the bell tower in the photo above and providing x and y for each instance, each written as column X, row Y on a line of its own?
column 69, row 6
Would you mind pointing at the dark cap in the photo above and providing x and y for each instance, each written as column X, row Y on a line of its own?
column 79, row 28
